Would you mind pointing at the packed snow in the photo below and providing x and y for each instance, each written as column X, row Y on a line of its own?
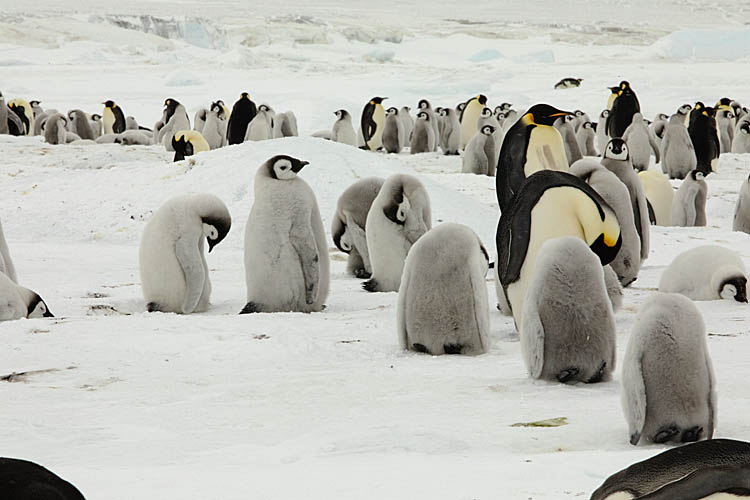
column 127, row 404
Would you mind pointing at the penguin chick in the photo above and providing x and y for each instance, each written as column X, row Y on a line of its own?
column 392, row 132
column 285, row 125
column 601, row 132
column 343, row 130
column 689, row 203
column 741, row 221
column 707, row 272
column 640, row 143
column 741, row 141
column 564, row 125
column 214, row 128
column 80, row 124
column 585, row 137
column 6, row 263
column 261, row 127
column 54, row 129
column 174, row 273
column 479, row 157
column 17, row 302
column 677, row 151
column 423, row 135
column 199, row 120
column 450, row 135
column 407, row 124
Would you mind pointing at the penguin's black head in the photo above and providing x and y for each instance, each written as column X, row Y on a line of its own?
column 342, row 113
column 614, row 90
column 617, row 149
column 110, row 104
column 698, row 174
column 588, row 125
column 423, row 104
column 543, row 114
column 486, row 112
column 734, row 288
column 578, row 112
column 283, row 167
column 745, row 128
column 506, row 106
column 378, row 100
column 498, row 110
column 461, row 106
column 488, row 130
column 182, row 147
column 482, row 99
column 216, row 230
column 624, row 85
column 34, row 103
column 604, row 114
column 170, row 105
column 443, row 112
column 391, row 111
column 709, row 111
column 423, row 116
column 217, row 108
column 245, row 95
column 264, row 107
column 96, row 117
column 38, row 308
column 406, row 108
column 724, row 101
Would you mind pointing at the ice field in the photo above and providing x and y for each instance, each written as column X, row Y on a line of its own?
column 127, row 404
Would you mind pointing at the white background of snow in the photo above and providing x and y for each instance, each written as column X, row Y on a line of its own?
column 327, row 406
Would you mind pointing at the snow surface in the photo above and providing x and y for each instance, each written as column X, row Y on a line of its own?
column 217, row 405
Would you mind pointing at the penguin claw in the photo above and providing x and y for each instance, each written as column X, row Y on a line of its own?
column 153, row 307
column 370, row 285
column 666, row 433
column 362, row 274
column 634, row 438
column 452, row 348
column 691, row 435
column 567, row 374
column 420, row 348
column 597, row 377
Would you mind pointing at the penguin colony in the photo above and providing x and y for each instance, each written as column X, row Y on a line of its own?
column 577, row 199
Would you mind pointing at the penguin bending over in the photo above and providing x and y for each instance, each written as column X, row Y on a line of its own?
column 741, row 142
column 23, row 110
column 469, row 116
column 113, row 119
column 689, row 203
column 450, row 136
column 6, row 263
column 398, row 217
column 479, row 157
column 564, row 125
column 174, row 273
column 349, row 221
column 568, row 329
column 423, row 136
column 741, row 221
column 261, row 127
column 286, row 256
column 242, row 114
column 668, row 385
column 708, row 272
column 372, row 123
column 188, row 143
column 17, row 302
column 694, row 465
column 442, row 301
column 23, row 480
column 343, row 130
column 659, row 196
column 585, row 137
column 392, row 132
column 640, row 143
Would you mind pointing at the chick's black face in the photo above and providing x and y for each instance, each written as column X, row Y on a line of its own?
column 740, row 285
column 222, row 226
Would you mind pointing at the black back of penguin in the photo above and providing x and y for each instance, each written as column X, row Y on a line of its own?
column 24, row 480
column 623, row 108
column 243, row 111
column 704, row 135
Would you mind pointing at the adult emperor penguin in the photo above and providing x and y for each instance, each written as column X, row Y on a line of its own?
column 617, row 160
column 450, row 136
column 668, row 391
column 175, row 119
column 398, row 217
column 469, row 117
column 695, row 466
column 348, row 224
column 705, row 138
column 707, row 272
column 243, row 112
column 627, row 263
column 442, row 302
column 372, row 123
column 392, row 132
column 689, row 203
column 530, row 145
column 6, row 263
column 188, row 143
column 214, row 129
column 23, row 110
column 624, row 107
column 677, row 151
column 741, row 221
column 286, row 256
column 343, row 130
column 601, row 132
column 564, row 125
column 550, row 204
column 18, row 302
column 568, row 329
column 659, row 196
column 174, row 273
column 23, row 480
column 261, row 127
column 423, row 137
column 741, row 141
column 585, row 137
column 113, row 119
column 568, row 83
column 480, row 157
column 640, row 143
column 54, row 129
column 80, row 124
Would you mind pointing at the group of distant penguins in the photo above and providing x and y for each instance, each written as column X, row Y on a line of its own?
column 573, row 232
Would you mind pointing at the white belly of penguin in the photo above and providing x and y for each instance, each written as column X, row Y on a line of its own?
column 545, row 151
column 376, row 141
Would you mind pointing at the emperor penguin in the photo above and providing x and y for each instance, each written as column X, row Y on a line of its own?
column 530, row 145
column 579, row 118
column 689, row 203
column 400, row 214
column 656, row 131
column 696, row 467
column 23, row 480
column 550, row 204
column 6, row 263
column 23, row 110
column 568, row 329
column 424, row 106
column 372, row 123
column 564, row 125
column 677, row 151
column 601, row 132
column 95, row 122
column 343, row 130
column 640, row 143
column 707, row 272
column 80, row 124
column 480, row 156
column 442, row 301
column 741, row 221
column 617, row 160
column 175, row 119
column 450, row 136
column 725, row 125
column 286, row 256
column 285, row 125
column 348, row 224
column 627, row 263
column 14, row 123
column 741, row 142
column 684, row 112
column 36, row 108
column 407, row 124
column 199, row 119
column 392, row 132
column 54, row 129
column 469, row 116
column 568, row 83
column 659, row 196
column 423, row 136
column 174, row 273
column 261, row 127
column 613, row 93
column 668, row 389
column 488, row 118
column 188, row 143
column 214, row 129
column 624, row 107
column 243, row 111
column 18, row 302
column 705, row 138
column 585, row 137
column 113, row 119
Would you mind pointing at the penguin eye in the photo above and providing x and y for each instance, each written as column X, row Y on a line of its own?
column 401, row 215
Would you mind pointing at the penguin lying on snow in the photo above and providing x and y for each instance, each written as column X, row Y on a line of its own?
column 568, row 83
column 708, row 272
column 23, row 480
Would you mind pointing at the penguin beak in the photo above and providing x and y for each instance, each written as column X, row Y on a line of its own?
column 211, row 245
column 48, row 314
column 297, row 166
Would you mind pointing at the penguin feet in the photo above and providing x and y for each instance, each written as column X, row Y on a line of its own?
column 153, row 307
column 420, row 348
column 634, row 438
column 691, row 435
column 452, row 348
column 567, row 374
column 666, row 433
column 597, row 377
column 370, row 285
column 362, row 273
column 250, row 307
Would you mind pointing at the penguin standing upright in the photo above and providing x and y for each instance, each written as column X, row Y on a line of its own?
column 423, row 138
column 624, row 107
column 425, row 106
column 705, row 138
column 343, row 130
column 689, row 203
column 741, row 142
column 6, row 264
column 530, row 145
column 677, row 150
column 725, row 125
column 479, row 156
column 3, row 115
column 601, row 132
column 469, row 116
column 113, row 119
column 175, row 119
column 585, row 137
column 613, row 93
column 214, row 129
column 392, row 132
column 450, row 135
column 243, row 112
column 372, row 123
column 564, row 125
column 407, row 124
column 640, row 143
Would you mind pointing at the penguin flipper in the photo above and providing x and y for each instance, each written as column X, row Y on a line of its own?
column 403, row 334
column 359, row 238
column 190, row 260
column 303, row 242
column 532, row 335
column 711, row 399
column 634, row 399
column 705, row 482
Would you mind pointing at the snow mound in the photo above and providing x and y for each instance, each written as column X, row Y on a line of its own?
column 712, row 44
column 486, row 55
